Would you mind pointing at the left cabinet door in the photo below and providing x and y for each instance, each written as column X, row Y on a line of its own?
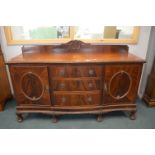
column 31, row 85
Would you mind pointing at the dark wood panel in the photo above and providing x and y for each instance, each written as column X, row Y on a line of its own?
column 1, row 60
column 31, row 85
column 5, row 91
column 121, row 83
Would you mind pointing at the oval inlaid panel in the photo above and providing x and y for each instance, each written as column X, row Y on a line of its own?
column 31, row 86
column 119, row 85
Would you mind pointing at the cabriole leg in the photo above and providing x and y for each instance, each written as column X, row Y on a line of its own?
column 55, row 119
column 19, row 117
column 99, row 118
column 133, row 115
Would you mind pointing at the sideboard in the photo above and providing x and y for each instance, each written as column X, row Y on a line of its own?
column 5, row 91
column 75, row 78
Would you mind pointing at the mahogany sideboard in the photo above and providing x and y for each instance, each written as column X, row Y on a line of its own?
column 5, row 91
column 75, row 78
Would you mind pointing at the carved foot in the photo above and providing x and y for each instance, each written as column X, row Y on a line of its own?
column 55, row 119
column 133, row 115
column 99, row 118
column 19, row 118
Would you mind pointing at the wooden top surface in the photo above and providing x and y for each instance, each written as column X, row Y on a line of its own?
column 78, row 52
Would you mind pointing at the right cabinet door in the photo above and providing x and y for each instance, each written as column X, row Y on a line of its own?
column 121, row 83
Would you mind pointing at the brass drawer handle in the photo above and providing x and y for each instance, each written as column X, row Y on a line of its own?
column 62, row 85
column 89, row 99
column 63, row 99
column 62, row 72
column 90, row 85
column 91, row 72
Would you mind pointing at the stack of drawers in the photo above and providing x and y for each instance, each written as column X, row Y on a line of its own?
column 76, row 85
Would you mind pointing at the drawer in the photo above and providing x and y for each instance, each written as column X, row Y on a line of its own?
column 83, row 99
column 76, row 71
column 76, row 85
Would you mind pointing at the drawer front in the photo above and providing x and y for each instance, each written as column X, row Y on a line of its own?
column 87, row 99
column 76, row 85
column 76, row 71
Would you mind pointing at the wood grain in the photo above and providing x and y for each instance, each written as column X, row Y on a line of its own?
column 5, row 92
column 17, row 74
column 78, row 77
column 60, row 54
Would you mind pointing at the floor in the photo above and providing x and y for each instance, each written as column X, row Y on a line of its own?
column 114, row 120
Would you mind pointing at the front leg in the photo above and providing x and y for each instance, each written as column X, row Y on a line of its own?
column 19, row 117
column 99, row 118
column 132, row 115
column 55, row 119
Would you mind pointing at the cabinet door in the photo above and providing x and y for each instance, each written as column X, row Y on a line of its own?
column 121, row 83
column 31, row 85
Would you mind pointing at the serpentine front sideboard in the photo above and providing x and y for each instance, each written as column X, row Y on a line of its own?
column 75, row 78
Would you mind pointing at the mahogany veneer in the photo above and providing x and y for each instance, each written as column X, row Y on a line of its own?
column 75, row 78
column 5, row 92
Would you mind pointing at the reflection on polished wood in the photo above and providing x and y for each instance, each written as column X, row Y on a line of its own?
column 93, row 53
column 80, row 78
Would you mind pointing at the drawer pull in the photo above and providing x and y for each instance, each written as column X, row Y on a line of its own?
column 90, row 85
column 89, row 99
column 62, row 72
column 62, row 85
column 63, row 99
column 91, row 72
